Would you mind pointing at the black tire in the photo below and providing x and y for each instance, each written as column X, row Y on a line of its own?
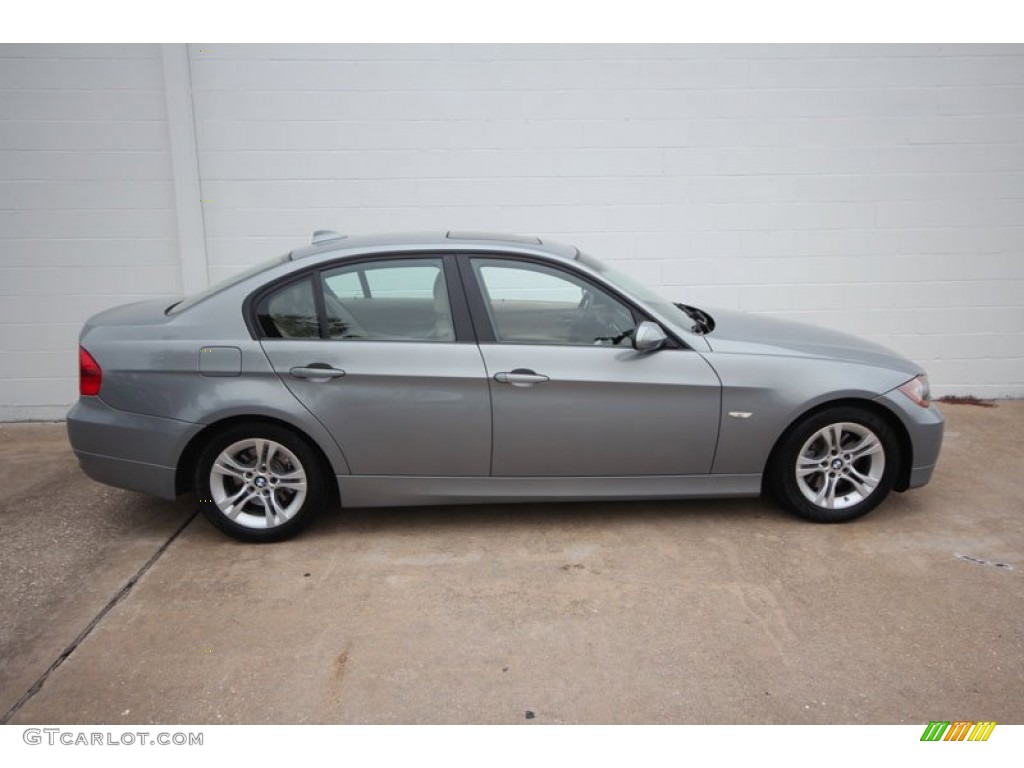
column 856, row 477
column 260, row 502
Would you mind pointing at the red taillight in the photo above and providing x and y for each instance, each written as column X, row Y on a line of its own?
column 90, row 377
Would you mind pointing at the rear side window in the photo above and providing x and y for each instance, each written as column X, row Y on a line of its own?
column 389, row 300
column 289, row 312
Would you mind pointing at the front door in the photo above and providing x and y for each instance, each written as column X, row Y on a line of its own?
column 570, row 396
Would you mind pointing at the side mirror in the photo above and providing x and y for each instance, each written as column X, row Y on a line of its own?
column 648, row 337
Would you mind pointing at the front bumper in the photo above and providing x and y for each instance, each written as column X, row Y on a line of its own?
column 128, row 450
column 920, row 476
column 924, row 427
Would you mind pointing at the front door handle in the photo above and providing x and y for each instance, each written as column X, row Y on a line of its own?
column 316, row 372
column 521, row 377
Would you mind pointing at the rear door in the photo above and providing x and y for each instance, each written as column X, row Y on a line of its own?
column 381, row 351
column 570, row 396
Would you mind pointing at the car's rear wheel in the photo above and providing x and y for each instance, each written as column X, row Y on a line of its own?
column 260, row 482
column 836, row 465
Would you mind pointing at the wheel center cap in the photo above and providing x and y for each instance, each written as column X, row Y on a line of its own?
column 260, row 482
column 837, row 463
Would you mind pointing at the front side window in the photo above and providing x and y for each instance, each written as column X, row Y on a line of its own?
column 534, row 304
column 388, row 300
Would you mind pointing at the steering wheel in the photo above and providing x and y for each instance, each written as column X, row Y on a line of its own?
column 586, row 301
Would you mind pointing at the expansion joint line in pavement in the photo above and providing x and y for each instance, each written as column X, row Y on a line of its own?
column 121, row 595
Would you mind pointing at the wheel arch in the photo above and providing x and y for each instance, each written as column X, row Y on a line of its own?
column 906, row 448
column 190, row 455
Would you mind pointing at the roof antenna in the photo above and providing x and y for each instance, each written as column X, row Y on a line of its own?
column 326, row 236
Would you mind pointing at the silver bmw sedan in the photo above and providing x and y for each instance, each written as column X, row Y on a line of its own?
column 470, row 367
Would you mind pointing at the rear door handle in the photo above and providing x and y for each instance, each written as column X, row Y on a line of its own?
column 317, row 372
column 521, row 377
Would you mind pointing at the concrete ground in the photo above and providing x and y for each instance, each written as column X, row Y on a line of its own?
column 682, row 612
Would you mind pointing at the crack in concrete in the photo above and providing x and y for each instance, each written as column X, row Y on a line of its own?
column 121, row 595
column 981, row 561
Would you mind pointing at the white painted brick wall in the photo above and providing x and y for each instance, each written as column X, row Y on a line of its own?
column 874, row 189
column 86, row 207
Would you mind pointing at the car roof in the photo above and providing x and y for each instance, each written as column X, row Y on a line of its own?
column 326, row 242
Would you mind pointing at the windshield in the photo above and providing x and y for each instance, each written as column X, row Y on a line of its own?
column 195, row 298
column 647, row 295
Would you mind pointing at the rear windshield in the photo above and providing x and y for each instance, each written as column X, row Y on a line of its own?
column 195, row 298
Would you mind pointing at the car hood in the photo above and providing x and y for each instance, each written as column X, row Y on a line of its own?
column 741, row 332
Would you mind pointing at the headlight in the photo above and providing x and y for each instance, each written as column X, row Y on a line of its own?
column 917, row 390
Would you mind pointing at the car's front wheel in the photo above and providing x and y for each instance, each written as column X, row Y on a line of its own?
column 260, row 482
column 836, row 465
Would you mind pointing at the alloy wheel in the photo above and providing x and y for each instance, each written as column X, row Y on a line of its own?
column 841, row 465
column 258, row 483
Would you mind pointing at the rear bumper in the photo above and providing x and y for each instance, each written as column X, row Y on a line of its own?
column 150, row 479
column 128, row 450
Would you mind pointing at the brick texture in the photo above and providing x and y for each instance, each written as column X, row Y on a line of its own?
column 877, row 190
column 86, row 207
